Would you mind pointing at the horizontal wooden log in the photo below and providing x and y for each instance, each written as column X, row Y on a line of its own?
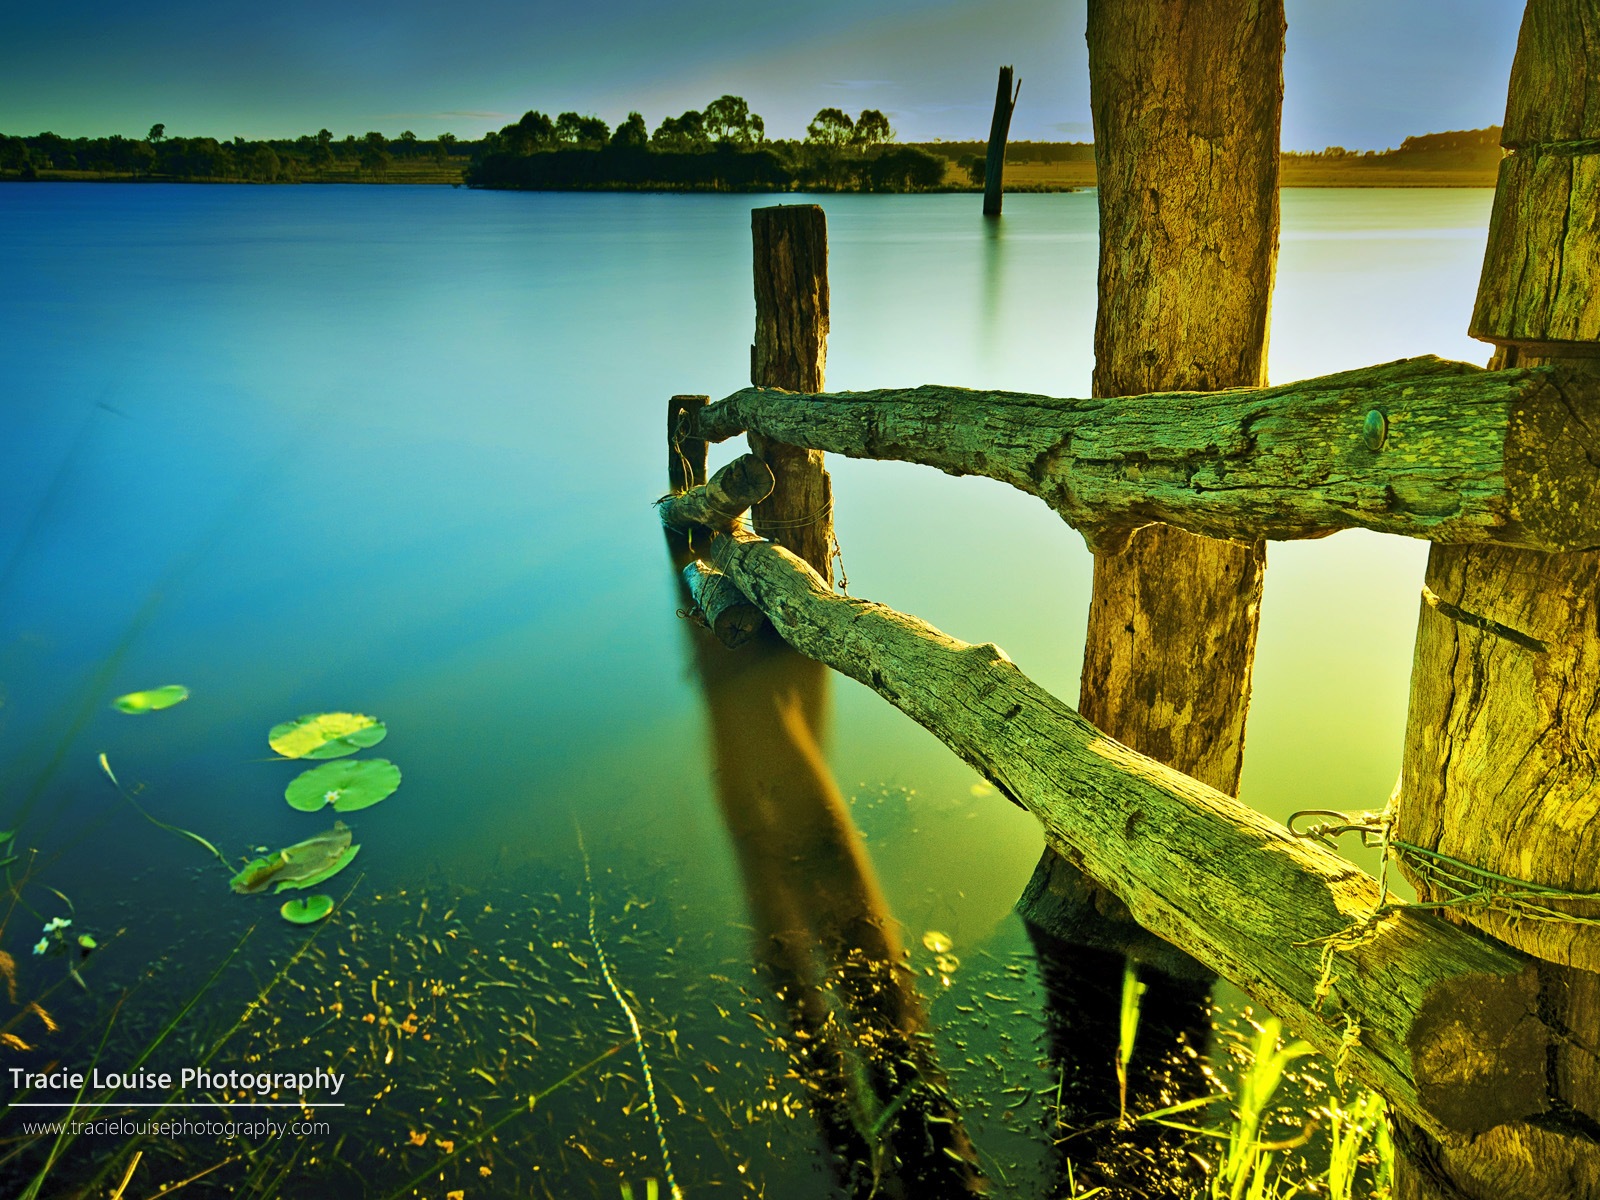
column 1440, row 1020
column 732, row 618
column 720, row 502
column 1421, row 447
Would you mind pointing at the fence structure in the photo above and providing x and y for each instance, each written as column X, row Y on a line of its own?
column 1476, row 1011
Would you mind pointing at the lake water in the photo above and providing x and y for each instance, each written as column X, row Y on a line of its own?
column 392, row 450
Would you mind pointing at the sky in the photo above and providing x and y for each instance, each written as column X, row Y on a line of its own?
column 1362, row 74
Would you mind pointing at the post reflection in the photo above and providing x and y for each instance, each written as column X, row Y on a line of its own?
column 823, row 931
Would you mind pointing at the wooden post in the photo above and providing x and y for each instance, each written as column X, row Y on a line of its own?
column 1502, row 752
column 1188, row 244
column 994, row 168
column 790, row 351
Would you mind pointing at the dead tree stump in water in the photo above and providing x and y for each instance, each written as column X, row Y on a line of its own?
column 1188, row 244
column 790, row 351
column 994, row 167
column 1502, row 759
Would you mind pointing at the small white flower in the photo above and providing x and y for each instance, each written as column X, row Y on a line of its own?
column 44, row 944
column 332, row 797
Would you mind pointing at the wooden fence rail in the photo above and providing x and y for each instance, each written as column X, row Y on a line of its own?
column 1422, row 447
column 1443, row 1022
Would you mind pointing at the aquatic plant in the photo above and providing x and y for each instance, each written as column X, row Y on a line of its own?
column 304, row 864
column 348, row 785
column 326, row 735
column 153, row 700
column 308, row 910
column 105, row 765
column 633, row 1027
column 1127, row 1029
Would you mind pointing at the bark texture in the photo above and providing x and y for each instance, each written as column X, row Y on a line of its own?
column 994, row 167
column 721, row 502
column 1541, row 274
column 1421, row 447
column 790, row 351
column 1185, row 97
column 1502, row 738
column 1441, row 1021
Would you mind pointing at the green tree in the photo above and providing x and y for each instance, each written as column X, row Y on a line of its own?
column 830, row 127
column 872, row 129
column 157, row 132
column 685, row 133
column 442, row 145
column 408, row 144
column 265, row 166
column 587, row 132
column 632, row 132
column 375, row 156
column 728, row 119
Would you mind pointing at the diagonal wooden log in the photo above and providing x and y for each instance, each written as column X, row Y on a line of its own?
column 1422, row 447
column 1439, row 1020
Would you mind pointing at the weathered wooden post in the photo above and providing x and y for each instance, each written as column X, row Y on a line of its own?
column 994, row 167
column 790, row 351
column 1502, row 751
column 1188, row 244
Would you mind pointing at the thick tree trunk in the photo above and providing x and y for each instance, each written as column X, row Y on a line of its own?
column 790, row 350
column 1186, row 97
column 994, row 168
column 1421, row 447
column 1439, row 1020
column 1503, row 735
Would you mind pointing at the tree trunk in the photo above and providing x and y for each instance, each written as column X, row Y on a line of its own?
column 1503, row 737
column 994, row 169
column 790, row 350
column 1186, row 98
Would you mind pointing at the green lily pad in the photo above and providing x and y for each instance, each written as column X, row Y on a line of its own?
column 153, row 700
column 306, row 911
column 326, row 735
column 301, row 865
column 349, row 785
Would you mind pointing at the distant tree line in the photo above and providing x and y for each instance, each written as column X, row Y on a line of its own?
column 723, row 147
column 1464, row 145
column 308, row 157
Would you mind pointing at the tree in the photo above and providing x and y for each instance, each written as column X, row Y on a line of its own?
column 587, row 132
column 442, row 145
column 872, row 129
column 728, row 119
column 631, row 133
column 685, row 133
column 375, row 156
column 830, row 127
column 264, row 163
column 408, row 142
column 157, row 132
column 535, row 131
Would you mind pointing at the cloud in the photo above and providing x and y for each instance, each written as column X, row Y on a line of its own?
column 1078, row 129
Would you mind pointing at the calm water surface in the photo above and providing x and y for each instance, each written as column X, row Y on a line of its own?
column 393, row 450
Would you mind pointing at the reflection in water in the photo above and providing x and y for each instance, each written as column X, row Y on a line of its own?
column 993, row 278
column 823, row 930
column 1083, row 988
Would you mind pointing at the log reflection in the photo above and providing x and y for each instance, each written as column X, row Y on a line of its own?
column 823, row 930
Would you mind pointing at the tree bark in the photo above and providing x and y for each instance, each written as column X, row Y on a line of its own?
column 1185, row 97
column 994, row 168
column 1421, row 447
column 1212, row 876
column 790, row 351
column 1503, row 738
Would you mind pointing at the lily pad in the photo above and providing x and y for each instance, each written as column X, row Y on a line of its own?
column 326, row 735
column 301, row 865
column 348, row 786
column 306, row 911
column 153, row 700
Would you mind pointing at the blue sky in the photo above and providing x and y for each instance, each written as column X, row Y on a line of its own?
column 1359, row 73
